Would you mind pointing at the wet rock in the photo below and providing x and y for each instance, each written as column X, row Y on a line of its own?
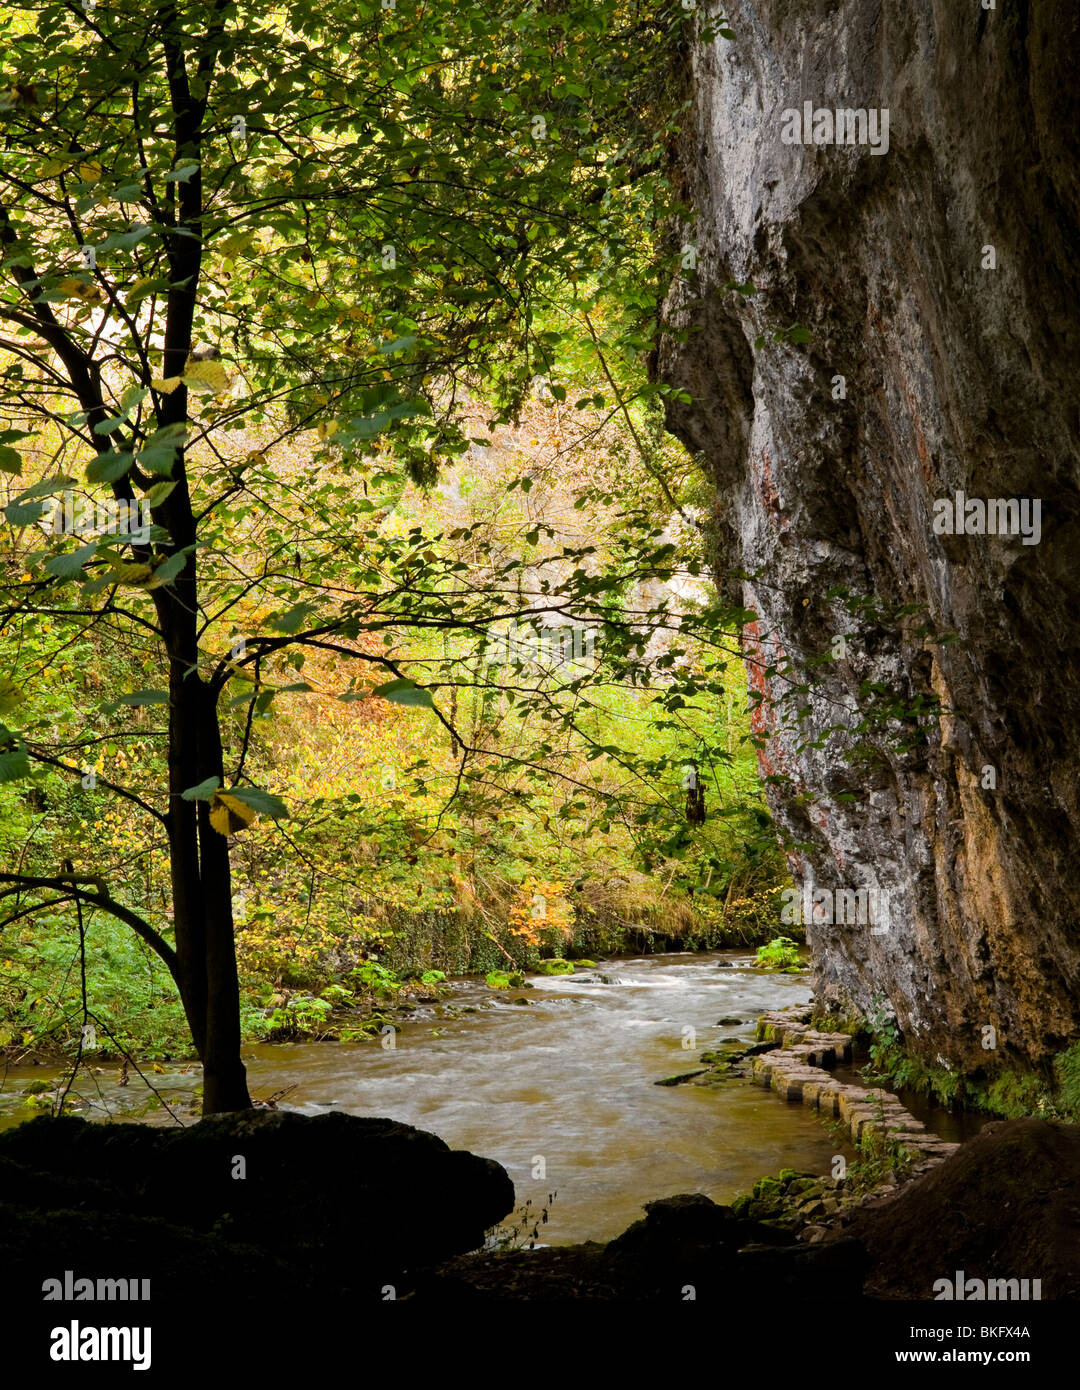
column 687, row 1239
column 555, row 966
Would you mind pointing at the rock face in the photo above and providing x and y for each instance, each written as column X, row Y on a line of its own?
column 939, row 284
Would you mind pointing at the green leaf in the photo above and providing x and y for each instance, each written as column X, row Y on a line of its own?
column 158, row 454
column 11, row 696
column 10, row 461
column 23, row 513
column 403, row 692
column 158, row 493
column 107, row 426
column 368, row 426
column 143, row 697
column 264, row 802
column 203, row 791
column 46, row 488
column 398, row 345
column 71, row 566
column 13, row 765
column 170, row 568
column 292, row 621
column 157, row 461
column 168, row 434
column 106, row 468
column 182, row 172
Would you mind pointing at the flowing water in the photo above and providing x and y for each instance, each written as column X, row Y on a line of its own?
column 561, row 1090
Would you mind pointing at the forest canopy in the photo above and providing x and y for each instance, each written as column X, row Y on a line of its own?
column 354, row 601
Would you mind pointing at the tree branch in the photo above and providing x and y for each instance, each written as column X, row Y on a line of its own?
column 68, row 885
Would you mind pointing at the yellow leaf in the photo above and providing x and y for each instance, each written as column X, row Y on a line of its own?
column 233, row 245
column 167, row 384
column 327, row 429
column 89, row 173
column 10, row 695
column 206, row 378
column 130, row 574
column 228, row 814
column 78, row 289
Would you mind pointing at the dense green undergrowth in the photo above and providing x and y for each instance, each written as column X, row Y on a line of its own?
column 370, row 897
column 1010, row 1093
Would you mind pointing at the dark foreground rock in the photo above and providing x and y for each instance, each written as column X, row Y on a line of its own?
column 1006, row 1205
column 346, row 1211
column 330, row 1203
column 687, row 1248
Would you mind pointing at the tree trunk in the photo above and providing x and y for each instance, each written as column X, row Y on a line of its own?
column 202, row 898
column 199, row 854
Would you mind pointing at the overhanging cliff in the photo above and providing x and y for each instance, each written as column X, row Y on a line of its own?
column 937, row 277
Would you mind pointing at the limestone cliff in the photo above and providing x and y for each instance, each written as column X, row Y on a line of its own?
column 938, row 281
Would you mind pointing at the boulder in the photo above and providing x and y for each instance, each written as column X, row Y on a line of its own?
column 325, row 1199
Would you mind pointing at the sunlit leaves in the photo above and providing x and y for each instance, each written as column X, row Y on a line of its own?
column 236, row 809
column 206, row 378
column 404, row 692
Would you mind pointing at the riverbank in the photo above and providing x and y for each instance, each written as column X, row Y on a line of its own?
column 560, row 1089
column 237, row 1201
column 240, row 1207
column 350, row 993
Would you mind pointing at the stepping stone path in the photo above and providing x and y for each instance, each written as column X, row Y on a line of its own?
column 798, row 1070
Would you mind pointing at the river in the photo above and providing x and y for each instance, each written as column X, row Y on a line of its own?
column 560, row 1091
